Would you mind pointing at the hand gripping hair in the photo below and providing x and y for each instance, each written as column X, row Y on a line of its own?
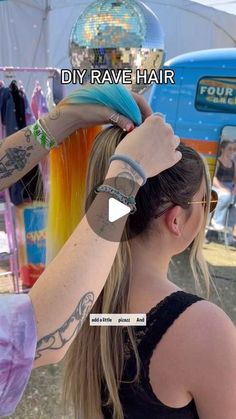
column 68, row 162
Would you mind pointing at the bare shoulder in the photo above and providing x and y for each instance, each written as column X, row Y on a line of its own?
column 210, row 337
column 205, row 325
column 213, row 312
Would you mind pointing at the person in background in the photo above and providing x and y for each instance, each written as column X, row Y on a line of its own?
column 224, row 182
column 234, row 147
column 37, row 329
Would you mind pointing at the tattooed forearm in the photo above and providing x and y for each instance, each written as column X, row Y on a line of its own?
column 14, row 159
column 59, row 338
column 19, row 153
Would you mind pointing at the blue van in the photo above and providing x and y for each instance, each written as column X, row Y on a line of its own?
column 201, row 105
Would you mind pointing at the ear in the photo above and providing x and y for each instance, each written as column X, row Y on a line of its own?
column 174, row 220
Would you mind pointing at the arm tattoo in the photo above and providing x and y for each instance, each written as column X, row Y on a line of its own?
column 60, row 337
column 128, row 185
column 28, row 135
column 104, row 224
column 55, row 113
column 131, row 178
column 14, row 159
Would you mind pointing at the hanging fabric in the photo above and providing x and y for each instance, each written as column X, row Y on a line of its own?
column 49, row 97
column 38, row 102
column 2, row 127
column 8, row 112
column 29, row 117
column 19, row 104
column 13, row 114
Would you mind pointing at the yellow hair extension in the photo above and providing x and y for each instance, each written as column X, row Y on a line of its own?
column 67, row 168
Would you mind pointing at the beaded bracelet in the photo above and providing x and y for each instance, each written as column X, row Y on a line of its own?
column 42, row 136
column 132, row 164
column 126, row 200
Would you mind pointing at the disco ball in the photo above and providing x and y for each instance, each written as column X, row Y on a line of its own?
column 117, row 34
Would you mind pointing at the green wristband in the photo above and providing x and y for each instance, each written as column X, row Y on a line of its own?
column 41, row 136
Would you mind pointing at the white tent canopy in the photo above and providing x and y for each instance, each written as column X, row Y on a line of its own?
column 35, row 33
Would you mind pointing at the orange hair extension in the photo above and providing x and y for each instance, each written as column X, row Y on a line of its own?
column 68, row 167
column 68, row 163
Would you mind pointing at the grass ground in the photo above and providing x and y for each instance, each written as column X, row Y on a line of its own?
column 42, row 399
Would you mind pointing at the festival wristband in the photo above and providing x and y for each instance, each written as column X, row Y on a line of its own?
column 42, row 136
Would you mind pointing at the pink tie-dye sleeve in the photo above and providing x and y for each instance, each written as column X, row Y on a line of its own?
column 17, row 348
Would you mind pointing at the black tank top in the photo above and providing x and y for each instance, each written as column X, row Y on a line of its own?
column 138, row 400
column 225, row 174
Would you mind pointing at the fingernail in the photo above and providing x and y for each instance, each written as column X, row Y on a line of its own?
column 162, row 115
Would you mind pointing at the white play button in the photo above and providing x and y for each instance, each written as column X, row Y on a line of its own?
column 117, row 210
column 107, row 215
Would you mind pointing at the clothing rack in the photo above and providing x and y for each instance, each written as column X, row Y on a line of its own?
column 47, row 73
column 29, row 76
column 9, row 72
column 30, row 69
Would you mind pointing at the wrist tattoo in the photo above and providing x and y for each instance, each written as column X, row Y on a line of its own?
column 130, row 176
column 103, row 224
column 14, row 159
column 54, row 113
column 59, row 338
column 28, row 135
column 125, row 182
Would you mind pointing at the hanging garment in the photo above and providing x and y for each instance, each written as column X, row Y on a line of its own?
column 49, row 97
column 2, row 127
column 29, row 188
column 38, row 102
column 8, row 112
column 57, row 87
column 29, row 117
column 19, row 104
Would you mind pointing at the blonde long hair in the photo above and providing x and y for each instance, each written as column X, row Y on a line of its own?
column 96, row 357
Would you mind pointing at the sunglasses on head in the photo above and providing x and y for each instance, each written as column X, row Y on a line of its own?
column 213, row 203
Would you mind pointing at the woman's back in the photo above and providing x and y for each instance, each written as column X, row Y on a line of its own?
column 168, row 349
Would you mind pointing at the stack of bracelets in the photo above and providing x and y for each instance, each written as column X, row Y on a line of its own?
column 41, row 134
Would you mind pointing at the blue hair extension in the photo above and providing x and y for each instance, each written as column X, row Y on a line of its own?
column 114, row 96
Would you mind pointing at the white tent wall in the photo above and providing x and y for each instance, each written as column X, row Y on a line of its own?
column 23, row 34
column 35, row 33
column 188, row 26
column 23, row 40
